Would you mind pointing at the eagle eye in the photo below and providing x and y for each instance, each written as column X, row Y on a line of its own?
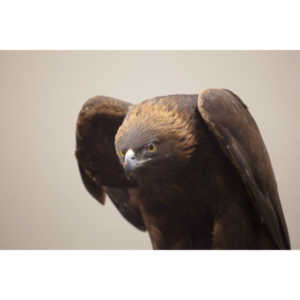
column 122, row 153
column 151, row 147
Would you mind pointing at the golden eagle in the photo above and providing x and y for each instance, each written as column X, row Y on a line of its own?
column 192, row 170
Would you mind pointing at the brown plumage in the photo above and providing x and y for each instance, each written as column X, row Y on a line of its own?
column 191, row 170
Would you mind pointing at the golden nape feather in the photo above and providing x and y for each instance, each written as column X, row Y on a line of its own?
column 163, row 116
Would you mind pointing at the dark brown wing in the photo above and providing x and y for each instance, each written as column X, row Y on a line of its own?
column 101, row 172
column 234, row 128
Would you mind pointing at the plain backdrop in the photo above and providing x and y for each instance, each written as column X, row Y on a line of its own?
column 44, row 204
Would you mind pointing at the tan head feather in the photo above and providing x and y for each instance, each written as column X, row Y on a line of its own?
column 165, row 119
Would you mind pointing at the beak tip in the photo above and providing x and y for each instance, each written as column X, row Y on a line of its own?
column 127, row 171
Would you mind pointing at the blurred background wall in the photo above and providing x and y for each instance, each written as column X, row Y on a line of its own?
column 43, row 204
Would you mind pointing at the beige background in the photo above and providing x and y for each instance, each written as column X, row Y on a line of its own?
column 43, row 203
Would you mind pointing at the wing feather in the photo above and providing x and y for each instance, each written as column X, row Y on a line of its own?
column 234, row 128
column 99, row 166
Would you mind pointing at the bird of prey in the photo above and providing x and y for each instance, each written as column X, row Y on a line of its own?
column 192, row 170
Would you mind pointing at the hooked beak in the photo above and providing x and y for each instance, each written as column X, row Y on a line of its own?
column 130, row 162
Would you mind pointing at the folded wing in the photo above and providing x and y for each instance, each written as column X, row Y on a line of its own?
column 100, row 169
column 228, row 118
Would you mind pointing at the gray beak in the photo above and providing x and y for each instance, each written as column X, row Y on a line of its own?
column 129, row 162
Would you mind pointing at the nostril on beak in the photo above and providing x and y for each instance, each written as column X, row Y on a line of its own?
column 130, row 155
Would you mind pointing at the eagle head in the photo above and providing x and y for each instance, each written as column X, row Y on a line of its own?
column 156, row 139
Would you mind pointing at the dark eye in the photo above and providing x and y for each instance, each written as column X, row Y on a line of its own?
column 151, row 147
